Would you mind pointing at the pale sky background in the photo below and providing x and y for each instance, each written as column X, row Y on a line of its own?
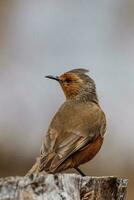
column 53, row 36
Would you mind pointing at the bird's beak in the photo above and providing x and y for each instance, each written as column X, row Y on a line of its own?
column 53, row 77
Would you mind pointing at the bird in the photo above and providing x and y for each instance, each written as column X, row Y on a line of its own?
column 77, row 130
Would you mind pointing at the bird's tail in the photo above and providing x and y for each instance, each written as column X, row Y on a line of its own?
column 35, row 168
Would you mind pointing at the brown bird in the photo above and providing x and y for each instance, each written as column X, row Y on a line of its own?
column 76, row 132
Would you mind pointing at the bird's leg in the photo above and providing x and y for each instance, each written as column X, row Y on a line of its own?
column 80, row 172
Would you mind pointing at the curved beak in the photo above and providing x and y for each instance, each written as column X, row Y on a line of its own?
column 53, row 77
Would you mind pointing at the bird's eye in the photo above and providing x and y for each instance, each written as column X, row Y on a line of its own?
column 68, row 80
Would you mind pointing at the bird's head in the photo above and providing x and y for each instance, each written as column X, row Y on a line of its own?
column 76, row 83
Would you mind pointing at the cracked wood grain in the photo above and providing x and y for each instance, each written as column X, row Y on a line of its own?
column 62, row 187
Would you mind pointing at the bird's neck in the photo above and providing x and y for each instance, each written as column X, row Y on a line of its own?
column 85, row 95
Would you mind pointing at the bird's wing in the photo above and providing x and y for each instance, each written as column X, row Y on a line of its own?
column 50, row 161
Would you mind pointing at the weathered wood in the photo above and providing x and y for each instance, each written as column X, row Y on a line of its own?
column 62, row 187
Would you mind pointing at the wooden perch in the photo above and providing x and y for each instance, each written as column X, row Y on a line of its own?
column 62, row 187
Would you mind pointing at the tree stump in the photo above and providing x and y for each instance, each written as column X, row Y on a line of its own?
column 62, row 187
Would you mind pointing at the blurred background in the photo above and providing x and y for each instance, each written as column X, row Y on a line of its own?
column 50, row 37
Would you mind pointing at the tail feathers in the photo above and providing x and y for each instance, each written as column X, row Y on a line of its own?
column 46, row 161
column 43, row 164
column 35, row 168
